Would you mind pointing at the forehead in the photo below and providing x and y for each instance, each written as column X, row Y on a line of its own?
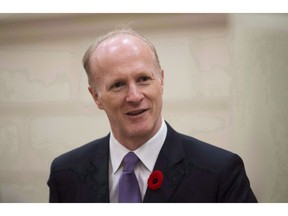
column 121, row 43
column 119, row 50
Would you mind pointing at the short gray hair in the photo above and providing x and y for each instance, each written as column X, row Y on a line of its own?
column 92, row 48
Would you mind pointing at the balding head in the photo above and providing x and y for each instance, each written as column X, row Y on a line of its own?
column 111, row 43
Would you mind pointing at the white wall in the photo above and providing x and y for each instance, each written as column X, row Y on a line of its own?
column 225, row 83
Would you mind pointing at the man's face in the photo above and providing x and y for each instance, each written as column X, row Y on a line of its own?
column 130, row 87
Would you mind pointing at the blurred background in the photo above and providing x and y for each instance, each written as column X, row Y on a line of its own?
column 226, row 82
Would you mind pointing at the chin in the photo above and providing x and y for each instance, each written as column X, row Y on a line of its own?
column 141, row 130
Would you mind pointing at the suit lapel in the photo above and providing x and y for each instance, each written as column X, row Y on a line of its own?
column 171, row 163
column 100, row 164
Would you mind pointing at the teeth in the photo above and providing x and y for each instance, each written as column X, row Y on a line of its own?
column 135, row 112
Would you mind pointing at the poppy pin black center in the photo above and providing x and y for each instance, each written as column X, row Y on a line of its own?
column 155, row 180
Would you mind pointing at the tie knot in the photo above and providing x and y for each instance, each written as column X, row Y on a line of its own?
column 129, row 162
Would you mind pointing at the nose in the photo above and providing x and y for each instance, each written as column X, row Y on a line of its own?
column 134, row 94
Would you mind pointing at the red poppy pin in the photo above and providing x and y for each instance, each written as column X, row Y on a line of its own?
column 155, row 180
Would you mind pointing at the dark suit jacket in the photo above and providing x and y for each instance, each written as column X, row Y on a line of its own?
column 193, row 171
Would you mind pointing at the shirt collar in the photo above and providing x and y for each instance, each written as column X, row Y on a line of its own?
column 147, row 153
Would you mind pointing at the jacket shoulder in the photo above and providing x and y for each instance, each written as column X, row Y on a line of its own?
column 82, row 154
column 201, row 154
column 207, row 156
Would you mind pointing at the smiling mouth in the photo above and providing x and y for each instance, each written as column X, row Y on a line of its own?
column 136, row 112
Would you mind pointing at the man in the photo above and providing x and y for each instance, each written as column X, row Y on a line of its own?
column 126, row 81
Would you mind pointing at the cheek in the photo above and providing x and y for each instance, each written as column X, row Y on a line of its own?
column 111, row 104
column 156, row 98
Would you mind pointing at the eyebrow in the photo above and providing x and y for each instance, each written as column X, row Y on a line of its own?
column 121, row 79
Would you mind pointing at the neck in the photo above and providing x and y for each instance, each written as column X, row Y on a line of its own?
column 133, row 142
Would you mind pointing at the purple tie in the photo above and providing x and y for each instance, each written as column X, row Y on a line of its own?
column 129, row 191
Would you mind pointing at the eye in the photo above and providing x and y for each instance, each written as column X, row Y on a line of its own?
column 117, row 85
column 144, row 79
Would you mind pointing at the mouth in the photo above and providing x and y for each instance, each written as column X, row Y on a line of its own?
column 136, row 112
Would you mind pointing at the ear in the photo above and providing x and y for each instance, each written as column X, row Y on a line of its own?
column 95, row 96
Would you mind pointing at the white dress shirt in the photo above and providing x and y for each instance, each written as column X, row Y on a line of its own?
column 147, row 154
